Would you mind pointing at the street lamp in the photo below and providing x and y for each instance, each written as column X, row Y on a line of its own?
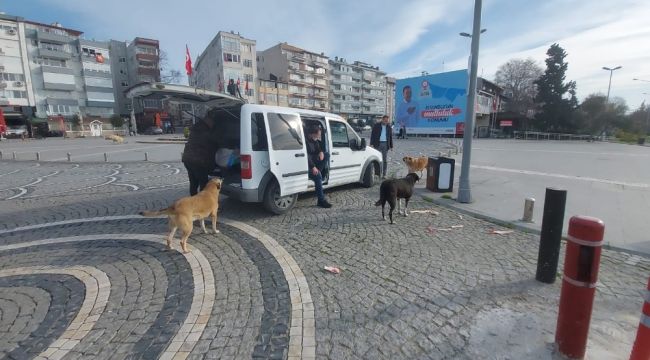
column 464, row 191
column 469, row 35
column 647, row 118
column 611, row 71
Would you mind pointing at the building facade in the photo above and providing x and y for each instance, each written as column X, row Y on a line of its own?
column 273, row 93
column 390, row 97
column 56, row 71
column 358, row 90
column 97, row 100
column 228, row 57
column 305, row 72
column 134, row 62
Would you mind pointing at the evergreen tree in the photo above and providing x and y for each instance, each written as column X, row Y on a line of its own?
column 557, row 99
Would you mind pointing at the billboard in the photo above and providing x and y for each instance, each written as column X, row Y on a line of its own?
column 432, row 104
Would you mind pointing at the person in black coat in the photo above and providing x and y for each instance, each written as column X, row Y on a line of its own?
column 381, row 138
column 199, row 152
column 316, row 159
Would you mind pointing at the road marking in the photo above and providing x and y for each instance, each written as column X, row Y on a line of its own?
column 202, row 300
column 23, row 189
column 561, row 151
column 9, row 173
column 560, row 176
column 76, row 156
column 98, row 289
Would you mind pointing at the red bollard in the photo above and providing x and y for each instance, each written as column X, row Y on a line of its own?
column 578, row 285
column 641, row 349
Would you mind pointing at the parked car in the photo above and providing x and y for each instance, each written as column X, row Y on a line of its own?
column 153, row 130
column 272, row 147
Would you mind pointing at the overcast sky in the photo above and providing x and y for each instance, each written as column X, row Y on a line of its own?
column 403, row 37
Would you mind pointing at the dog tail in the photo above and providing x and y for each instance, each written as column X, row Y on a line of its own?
column 167, row 211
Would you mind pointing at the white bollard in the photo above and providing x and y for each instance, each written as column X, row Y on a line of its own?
column 105, row 157
column 38, row 156
column 13, row 155
column 146, row 157
column 68, row 156
column 529, row 207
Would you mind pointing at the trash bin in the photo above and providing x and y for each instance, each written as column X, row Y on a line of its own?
column 440, row 174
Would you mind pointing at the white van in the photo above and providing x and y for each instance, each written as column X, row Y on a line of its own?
column 271, row 143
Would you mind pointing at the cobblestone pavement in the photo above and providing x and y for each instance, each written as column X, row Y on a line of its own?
column 83, row 276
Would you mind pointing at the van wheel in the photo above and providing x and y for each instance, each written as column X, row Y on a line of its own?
column 275, row 203
column 368, row 176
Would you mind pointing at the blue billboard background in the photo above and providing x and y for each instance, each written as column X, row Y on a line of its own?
column 432, row 104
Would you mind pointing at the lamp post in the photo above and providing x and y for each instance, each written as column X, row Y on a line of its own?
column 611, row 71
column 647, row 117
column 464, row 191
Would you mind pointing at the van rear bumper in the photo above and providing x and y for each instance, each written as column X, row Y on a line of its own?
column 243, row 195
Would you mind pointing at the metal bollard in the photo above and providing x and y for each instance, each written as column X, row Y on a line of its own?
column 13, row 155
column 641, row 348
column 146, row 157
column 581, row 264
column 68, row 156
column 0, row 155
column 105, row 157
column 529, row 207
column 38, row 156
column 551, row 236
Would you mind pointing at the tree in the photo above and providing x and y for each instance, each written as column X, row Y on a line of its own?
column 167, row 76
column 596, row 117
column 638, row 121
column 76, row 121
column 517, row 78
column 556, row 98
column 117, row 121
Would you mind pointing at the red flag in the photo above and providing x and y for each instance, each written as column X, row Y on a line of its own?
column 188, row 61
column 237, row 82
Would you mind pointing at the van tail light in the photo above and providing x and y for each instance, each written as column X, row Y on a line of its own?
column 246, row 168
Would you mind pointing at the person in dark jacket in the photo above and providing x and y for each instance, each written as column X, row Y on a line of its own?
column 381, row 138
column 199, row 152
column 316, row 159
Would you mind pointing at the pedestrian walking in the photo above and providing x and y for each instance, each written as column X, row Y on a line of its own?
column 381, row 138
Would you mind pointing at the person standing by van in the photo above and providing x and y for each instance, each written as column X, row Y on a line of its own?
column 316, row 160
column 199, row 152
column 381, row 138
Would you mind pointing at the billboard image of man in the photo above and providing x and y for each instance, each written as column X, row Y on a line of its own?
column 407, row 110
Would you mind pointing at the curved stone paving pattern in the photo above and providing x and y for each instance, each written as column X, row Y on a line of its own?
column 280, row 295
column 404, row 292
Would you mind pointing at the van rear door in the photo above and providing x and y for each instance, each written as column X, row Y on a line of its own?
column 287, row 151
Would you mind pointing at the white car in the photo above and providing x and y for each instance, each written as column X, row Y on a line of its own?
column 271, row 143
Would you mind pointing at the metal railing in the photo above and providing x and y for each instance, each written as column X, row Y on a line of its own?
column 537, row 135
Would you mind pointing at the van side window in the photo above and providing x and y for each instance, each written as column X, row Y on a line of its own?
column 339, row 134
column 285, row 131
column 258, row 132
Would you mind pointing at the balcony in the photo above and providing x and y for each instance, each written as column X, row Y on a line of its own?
column 320, row 86
column 57, row 70
column 372, row 87
column 149, row 71
column 147, row 57
column 51, row 54
column 298, row 57
column 52, row 38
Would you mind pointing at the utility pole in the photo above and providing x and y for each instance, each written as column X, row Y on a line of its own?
column 464, row 191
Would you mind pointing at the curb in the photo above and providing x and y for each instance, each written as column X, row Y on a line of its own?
column 160, row 142
column 449, row 204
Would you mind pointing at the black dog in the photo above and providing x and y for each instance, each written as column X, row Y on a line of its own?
column 394, row 189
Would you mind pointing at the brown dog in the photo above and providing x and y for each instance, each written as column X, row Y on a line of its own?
column 185, row 210
column 416, row 164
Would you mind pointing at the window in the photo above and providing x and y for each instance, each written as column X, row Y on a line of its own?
column 250, row 92
column 152, row 103
column 248, row 63
column 258, row 132
column 248, row 77
column 122, row 59
column 246, row 48
column 52, row 47
column 282, row 99
column 13, row 77
column 229, row 44
column 62, row 109
column 339, row 134
column 19, row 94
column 285, row 132
column 271, row 98
column 125, row 84
column 230, row 57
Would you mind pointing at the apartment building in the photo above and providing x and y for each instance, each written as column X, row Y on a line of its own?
column 229, row 56
column 134, row 62
column 358, row 90
column 273, row 92
column 390, row 97
column 56, row 72
column 305, row 72
column 98, row 98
